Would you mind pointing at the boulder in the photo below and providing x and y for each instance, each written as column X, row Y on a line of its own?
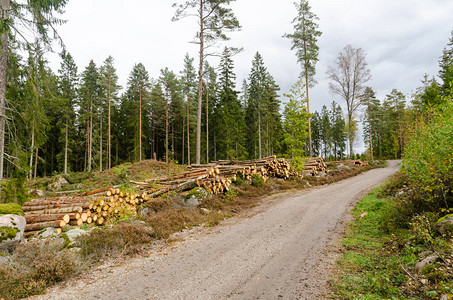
column 73, row 234
column 429, row 260
column 445, row 224
column 36, row 192
column 57, row 184
column 47, row 232
column 142, row 211
column 11, row 227
column 11, row 232
column 195, row 196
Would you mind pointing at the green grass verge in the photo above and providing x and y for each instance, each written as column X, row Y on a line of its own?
column 378, row 263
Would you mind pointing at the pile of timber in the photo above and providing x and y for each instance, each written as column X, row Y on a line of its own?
column 356, row 162
column 53, row 212
column 115, row 203
column 314, row 166
column 110, row 202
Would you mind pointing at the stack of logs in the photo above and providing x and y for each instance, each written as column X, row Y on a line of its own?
column 356, row 162
column 53, row 212
column 79, row 210
column 314, row 166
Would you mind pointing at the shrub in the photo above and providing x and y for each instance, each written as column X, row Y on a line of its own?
column 428, row 159
column 37, row 265
column 257, row 180
column 125, row 238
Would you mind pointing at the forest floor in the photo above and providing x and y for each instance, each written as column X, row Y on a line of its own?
column 283, row 248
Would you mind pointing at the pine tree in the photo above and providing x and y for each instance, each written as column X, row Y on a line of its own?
column 326, row 131
column 214, row 19
column 304, row 39
column 338, row 135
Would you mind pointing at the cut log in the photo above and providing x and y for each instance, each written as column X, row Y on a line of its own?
column 37, row 218
column 63, row 210
column 42, row 225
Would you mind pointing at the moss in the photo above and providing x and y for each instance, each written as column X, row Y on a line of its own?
column 445, row 217
column 11, row 209
column 197, row 192
column 7, row 233
column 67, row 241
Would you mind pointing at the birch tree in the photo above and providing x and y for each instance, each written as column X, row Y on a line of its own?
column 348, row 77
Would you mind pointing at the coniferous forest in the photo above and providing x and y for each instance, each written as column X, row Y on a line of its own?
column 79, row 119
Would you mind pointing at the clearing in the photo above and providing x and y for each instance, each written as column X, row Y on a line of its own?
column 280, row 251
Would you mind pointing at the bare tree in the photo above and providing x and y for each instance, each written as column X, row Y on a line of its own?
column 348, row 77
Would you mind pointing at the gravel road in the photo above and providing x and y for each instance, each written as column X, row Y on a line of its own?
column 281, row 252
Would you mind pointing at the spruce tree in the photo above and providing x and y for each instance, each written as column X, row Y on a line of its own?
column 68, row 82
column 110, row 89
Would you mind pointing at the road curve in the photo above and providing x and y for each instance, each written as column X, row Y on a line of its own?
column 272, row 255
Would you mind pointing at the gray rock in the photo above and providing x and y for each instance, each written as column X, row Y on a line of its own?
column 143, row 211
column 195, row 196
column 73, row 234
column 446, row 297
column 339, row 166
column 57, row 184
column 11, row 228
column 36, row 192
column 47, row 232
column 445, row 224
column 205, row 211
column 429, row 260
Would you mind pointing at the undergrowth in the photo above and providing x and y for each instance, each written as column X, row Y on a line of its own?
column 381, row 250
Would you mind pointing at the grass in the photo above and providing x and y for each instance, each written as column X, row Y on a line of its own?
column 378, row 263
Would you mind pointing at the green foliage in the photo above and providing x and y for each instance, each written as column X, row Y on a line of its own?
column 14, row 191
column 123, row 173
column 230, row 196
column 428, row 159
column 257, row 180
column 11, row 208
column 296, row 121
column 297, row 163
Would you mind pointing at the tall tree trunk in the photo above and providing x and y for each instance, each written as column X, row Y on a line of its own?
column 32, row 148
column 259, row 134
column 200, row 85
column 36, row 163
column 183, row 139
column 109, row 137
column 310, row 147
column 207, row 122
column 351, row 138
column 188, row 132
column 166, row 126
column 100, row 148
column 90, row 139
column 5, row 7
column 370, row 133
column 66, row 142
column 140, row 126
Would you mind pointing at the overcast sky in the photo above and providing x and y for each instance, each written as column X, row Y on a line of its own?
column 403, row 39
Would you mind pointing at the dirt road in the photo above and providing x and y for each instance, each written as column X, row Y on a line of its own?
column 276, row 254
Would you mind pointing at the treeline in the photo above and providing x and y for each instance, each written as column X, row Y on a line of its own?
column 81, row 121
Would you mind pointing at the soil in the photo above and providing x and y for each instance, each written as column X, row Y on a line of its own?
column 283, row 249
